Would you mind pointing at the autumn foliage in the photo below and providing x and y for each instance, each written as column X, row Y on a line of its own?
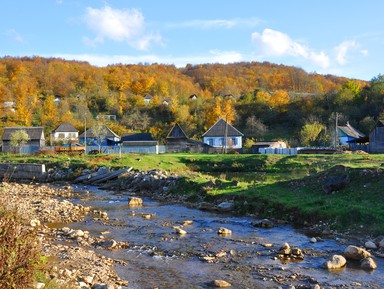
column 39, row 91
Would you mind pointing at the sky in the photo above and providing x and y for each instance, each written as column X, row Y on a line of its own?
column 339, row 37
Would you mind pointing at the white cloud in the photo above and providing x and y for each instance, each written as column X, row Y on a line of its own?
column 276, row 43
column 119, row 25
column 342, row 50
column 14, row 35
column 216, row 23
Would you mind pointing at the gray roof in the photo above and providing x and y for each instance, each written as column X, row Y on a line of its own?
column 34, row 133
column 351, row 131
column 65, row 127
column 218, row 129
column 176, row 132
column 135, row 137
column 109, row 133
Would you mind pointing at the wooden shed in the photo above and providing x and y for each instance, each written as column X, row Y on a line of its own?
column 35, row 134
column 376, row 138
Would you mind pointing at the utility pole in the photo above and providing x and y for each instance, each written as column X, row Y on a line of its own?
column 336, row 125
column 85, row 133
column 226, row 134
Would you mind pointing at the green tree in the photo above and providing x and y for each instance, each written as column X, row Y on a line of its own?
column 19, row 138
column 310, row 133
column 99, row 132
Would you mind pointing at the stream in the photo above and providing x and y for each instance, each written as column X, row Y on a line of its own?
column 159, row 258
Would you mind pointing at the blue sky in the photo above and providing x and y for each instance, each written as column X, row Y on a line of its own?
column 340, row 37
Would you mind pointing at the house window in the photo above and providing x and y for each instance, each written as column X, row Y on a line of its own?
column 210, row 141
column 221, row 141
column 234, row 141
column 61, row 135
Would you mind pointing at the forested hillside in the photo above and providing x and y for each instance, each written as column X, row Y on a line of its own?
column 263, row 100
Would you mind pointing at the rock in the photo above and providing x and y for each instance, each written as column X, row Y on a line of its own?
column 265, row 223
column 336, row 262
column 39, row 285
column 335, row 183
column 205, row 206
column 104, row 286
column 76, row 233
column 107, row 244
column 297, row 253
column 187, row 223
column 135, row 202
column 220, row 254
column 180, row 231
column 370, row 245
column 356, row 253
column 225, row 206
column 224, row 231
column 221, row 284
column 208, row 259
column 88, row 279
column 368, row 264
column 313, row 240
column 285, row 249
column 83, row 285
column 381, row 244
column 146, row 216
column 34, row 223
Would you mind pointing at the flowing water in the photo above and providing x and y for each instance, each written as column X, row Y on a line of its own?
column 159, row 258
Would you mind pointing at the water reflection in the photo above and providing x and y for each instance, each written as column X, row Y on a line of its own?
column 160, row 258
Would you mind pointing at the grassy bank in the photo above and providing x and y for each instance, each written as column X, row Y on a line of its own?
column 287, row 187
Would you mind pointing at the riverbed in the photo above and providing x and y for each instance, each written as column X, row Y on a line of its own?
column 159, row 258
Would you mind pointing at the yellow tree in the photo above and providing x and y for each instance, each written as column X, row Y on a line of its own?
column 279, row 99
column 263, row 96
column 49, row 117
column 24, row 91
column 213, row 112
column 223, row 108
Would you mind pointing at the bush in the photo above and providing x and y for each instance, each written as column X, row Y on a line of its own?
column 18, row 252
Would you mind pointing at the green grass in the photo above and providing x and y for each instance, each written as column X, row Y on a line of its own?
column 273, row 185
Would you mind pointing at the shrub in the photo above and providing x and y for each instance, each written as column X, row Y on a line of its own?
column 18, row 252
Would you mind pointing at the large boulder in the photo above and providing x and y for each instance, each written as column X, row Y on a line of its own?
column 224, row 231
column 368, row 264
column 265, row 223
column 226, row 206
column 135, row 202
column 335, row 183
column 336, row 262
column 356, row 253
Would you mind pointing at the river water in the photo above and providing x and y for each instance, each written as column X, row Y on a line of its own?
column 159, row 258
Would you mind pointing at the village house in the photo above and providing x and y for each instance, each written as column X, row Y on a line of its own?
column 268, row 145
column 106, row 137
column 148, row 98
column 178, row 141
column 36, row 139
column 223, row 135
column 376, row 138
column 64, row 133
column 347, row 133
column 139, row 143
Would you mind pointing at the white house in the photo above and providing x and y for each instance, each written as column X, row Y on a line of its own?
column 216, row 135
column 64, row 132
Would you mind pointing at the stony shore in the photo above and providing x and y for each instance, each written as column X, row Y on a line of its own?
column 70, row 254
